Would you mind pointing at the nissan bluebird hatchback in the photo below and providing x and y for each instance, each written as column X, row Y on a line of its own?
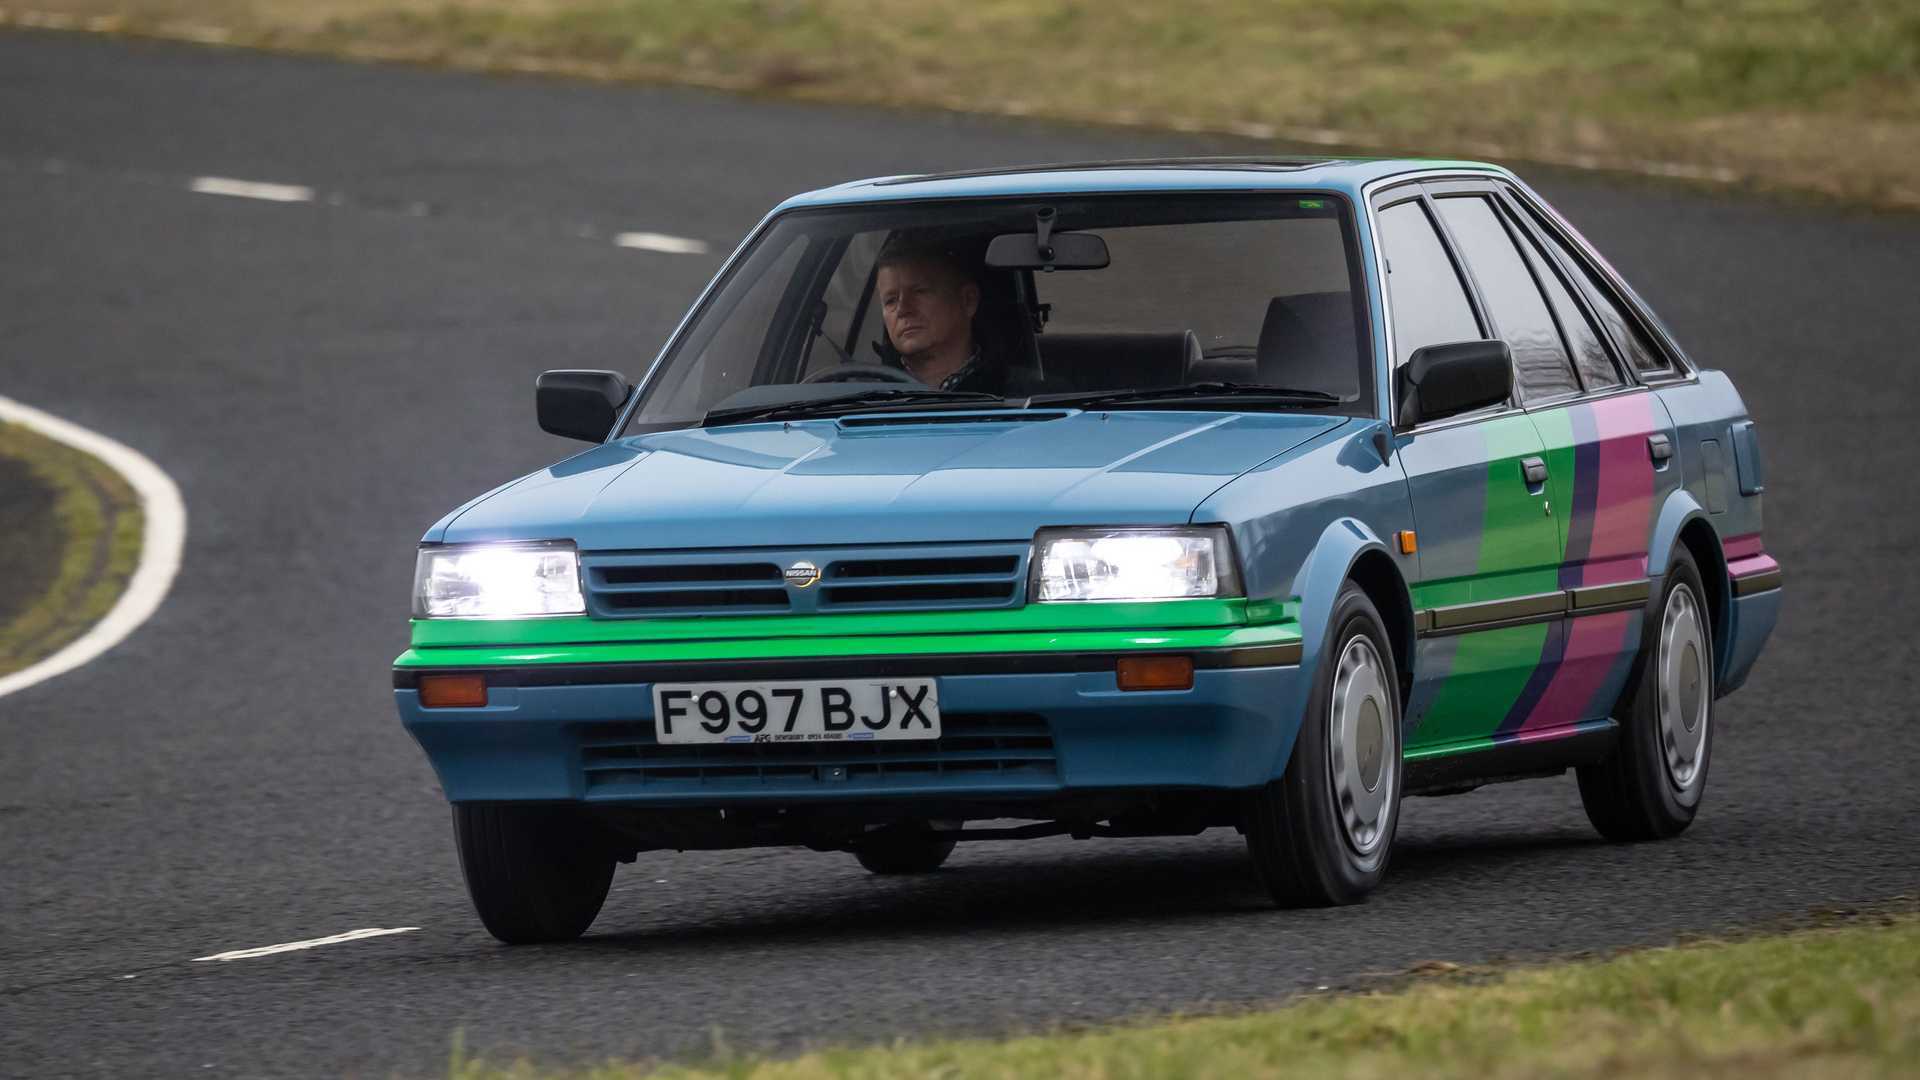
column 1127, row 499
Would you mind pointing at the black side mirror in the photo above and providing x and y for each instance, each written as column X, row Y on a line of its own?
column 579, row 404
column 1443, row 380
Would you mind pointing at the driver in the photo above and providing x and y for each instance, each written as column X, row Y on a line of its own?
column 928, row 299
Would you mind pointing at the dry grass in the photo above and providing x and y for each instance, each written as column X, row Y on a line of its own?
column 1803, row 95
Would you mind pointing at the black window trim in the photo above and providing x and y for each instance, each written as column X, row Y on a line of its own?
column 1413, row 189
column 1530, row 226
column 1680, row 367
column 1388, row 191
column 1487, row 191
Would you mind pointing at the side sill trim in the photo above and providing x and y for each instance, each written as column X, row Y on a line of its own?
column 408, row 678
column 1525, row 610
column 1519, row 609
column 1764, row 581
column 1624, row 594
column 1514, row 759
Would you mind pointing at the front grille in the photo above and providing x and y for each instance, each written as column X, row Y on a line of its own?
column 923, row 582
column 900, row 577
column 686, row 588
column 972, row 751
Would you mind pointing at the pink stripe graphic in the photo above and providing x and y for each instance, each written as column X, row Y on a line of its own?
column 1622, row 518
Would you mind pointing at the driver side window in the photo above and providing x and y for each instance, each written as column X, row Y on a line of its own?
column 1430, row 304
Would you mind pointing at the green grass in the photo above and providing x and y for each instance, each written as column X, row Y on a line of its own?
column 73, row 531
column 1831, row 1002
column 1802, row 95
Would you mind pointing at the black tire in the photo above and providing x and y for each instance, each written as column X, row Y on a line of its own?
column 535, row 873
column 1636, row 794
column 1302, row 848
column 902, row 849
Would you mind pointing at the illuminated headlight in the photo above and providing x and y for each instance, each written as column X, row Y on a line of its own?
column 496, row 581
column 1133, row 564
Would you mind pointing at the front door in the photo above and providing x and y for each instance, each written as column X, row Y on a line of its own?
column 1487, row 545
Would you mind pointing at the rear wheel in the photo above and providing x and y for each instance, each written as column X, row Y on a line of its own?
column 903, row 849
column 1651, row 785
column 1321, row 834
column 535, row 873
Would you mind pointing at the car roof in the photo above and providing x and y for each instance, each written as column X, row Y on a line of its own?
column 1346, row 175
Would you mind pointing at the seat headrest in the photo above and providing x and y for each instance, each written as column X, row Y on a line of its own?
column 1307, row 340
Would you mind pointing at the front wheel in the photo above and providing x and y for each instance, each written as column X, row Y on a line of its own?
column 1321, row 834
column 1650, row 787
column 535, row 873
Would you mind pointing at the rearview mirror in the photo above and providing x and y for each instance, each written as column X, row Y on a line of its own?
column 1061, row 251
column 1444, row 380
column 579, row 404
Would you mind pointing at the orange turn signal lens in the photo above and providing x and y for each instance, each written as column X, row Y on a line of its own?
column 1408, row 542
column 1156, row 673
column 453, row 691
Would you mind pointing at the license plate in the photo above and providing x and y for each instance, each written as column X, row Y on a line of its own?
column 843, row 710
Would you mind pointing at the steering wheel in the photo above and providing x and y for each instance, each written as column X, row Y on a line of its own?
column 859, row 372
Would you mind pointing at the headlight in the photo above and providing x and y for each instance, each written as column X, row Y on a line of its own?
column 1133, row 564
column 493, row 581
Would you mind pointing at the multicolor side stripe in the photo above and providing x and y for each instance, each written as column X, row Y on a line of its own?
column 1541, row 679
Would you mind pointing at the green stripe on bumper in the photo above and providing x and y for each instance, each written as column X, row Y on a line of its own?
column 1172, row 625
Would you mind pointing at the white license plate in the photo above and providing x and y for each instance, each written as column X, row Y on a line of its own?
column 833, row 710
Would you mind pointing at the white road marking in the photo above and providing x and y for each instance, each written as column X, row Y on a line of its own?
column 250, row 189
column 296, row 946
column 661, row 242
column 165, row 533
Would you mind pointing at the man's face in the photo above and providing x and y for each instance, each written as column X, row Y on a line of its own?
column 926, row 305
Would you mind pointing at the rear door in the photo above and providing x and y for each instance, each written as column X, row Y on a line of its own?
column 1488, row 551
column 1601, row 435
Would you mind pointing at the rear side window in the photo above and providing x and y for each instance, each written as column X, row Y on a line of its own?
column 1626, row 334
column 1429, row 303
column 1512, row 297
column 1589, row 351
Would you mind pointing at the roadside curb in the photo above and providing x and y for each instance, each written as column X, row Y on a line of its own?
column 163, row 534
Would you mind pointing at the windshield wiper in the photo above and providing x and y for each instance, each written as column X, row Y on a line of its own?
column 856, row 401
column 1249, row 393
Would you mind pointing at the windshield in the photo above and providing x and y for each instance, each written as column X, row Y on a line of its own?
column 1241, row 302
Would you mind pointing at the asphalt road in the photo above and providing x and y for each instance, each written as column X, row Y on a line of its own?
column 323, row 379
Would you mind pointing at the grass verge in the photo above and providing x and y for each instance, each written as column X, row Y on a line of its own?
column 1815, row 96
column 73, row 529
column 1837, row 1001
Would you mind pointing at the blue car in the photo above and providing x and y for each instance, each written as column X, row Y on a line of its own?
column 1114, row 499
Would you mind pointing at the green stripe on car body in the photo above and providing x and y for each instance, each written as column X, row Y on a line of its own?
column 1091, row 627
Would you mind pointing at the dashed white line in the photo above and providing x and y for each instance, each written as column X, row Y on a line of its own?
column 165, row 518
column 312, row 943
column 661, row 242
column 250, row 189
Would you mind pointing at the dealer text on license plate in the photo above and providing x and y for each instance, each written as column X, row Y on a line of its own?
column 842, row 710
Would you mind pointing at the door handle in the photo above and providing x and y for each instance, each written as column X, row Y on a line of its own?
column 1660, row 447
column 1535, row 470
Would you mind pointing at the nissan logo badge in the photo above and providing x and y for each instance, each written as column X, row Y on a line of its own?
column 802, row 574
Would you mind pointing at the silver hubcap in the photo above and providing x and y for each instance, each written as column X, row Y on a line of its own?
column 1363, row 749
column 1686, row 690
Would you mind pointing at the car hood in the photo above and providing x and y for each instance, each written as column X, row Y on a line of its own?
column 884, row 479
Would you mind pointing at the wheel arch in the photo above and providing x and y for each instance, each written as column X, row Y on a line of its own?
column 1685, row 524
column 1374, row 571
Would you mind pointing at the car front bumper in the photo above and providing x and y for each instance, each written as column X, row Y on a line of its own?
column 1015, row 726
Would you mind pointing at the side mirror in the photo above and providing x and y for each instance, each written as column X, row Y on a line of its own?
column 1443, row 380
column 579, row 404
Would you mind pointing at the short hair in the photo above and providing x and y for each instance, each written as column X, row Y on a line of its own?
column 905, row 246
